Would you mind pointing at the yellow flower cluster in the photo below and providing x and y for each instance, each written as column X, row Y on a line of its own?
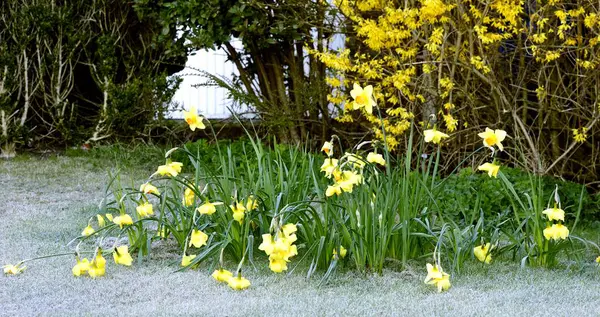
column 556, row 231
column 280, row 248
column 237, row 283
column 94, row 268
column 580, row 135
column 436, row 276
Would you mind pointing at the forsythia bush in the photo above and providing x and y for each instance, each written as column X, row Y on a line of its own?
column 367, row 207
column 530, row 66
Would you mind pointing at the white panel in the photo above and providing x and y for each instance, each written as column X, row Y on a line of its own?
column 211, row 102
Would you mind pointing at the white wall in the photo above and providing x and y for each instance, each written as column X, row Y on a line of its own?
column 211, row 102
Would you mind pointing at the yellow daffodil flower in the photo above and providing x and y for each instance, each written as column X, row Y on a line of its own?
column 222, row 275
column 493, row 137
column 348, row 179
column 554, row 214
column 109, row 217
column 145, row 210
column 598, row 260
column 363, row 98
column 81, row 268
column 10, row 269
column 437, row 277
column 482, row 253
column 123, row 220
column 355, row 160
column 434, row 136
column 198, row 238
column 188, row 197
column 99, row 260
column 171, row 169
column 327, row 148
column 208, row 208
column 556, row 232
column 238, row 283
column 101, row 222
column 289, row 229
column 277, row 264
column 95, row 271
column 343, row 251
column 491, row 168
column 121, row 256
column 267, row 245
column 88, row 231
column 148, row 188
column 238, row 212
column 329, row 166
column 98, row 266
column 376, row 158
column 193, row 119
column 187, row 259
column 251, row 203
column 333, row 190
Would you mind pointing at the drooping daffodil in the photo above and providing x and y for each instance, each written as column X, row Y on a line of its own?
column 436, row 276
column 554, row 214
column 434, row 136
column 482, row 253
column 376, row 158
column 222, row 275
column 121, row 255
column 88, row 231
column 145, row 210
column 198, row 238
column 491, row 168
column 123, row 220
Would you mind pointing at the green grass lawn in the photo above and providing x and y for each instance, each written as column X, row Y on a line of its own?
column 46, row 202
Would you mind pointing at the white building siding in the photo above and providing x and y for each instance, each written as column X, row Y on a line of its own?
column 211, row 102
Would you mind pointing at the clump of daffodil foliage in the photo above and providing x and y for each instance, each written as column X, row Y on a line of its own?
column 362, row 206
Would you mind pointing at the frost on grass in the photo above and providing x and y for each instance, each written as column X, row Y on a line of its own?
column 67, row 188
